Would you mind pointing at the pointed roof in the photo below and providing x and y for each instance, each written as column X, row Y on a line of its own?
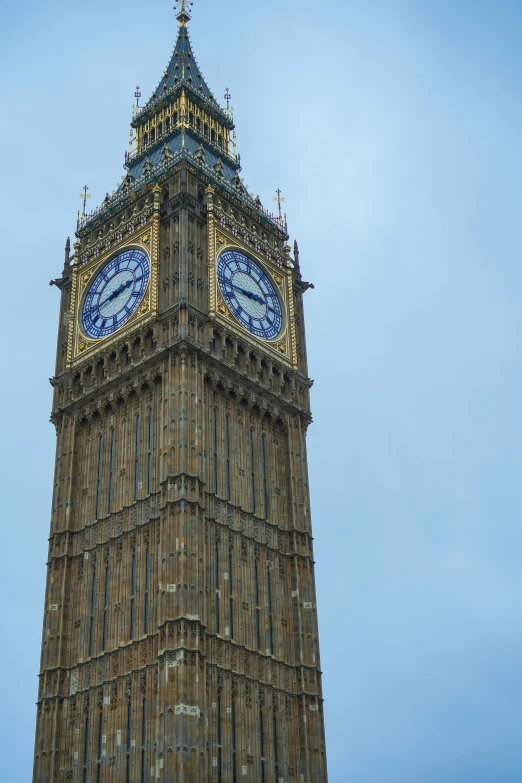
column 182, row 140
column 183, row 72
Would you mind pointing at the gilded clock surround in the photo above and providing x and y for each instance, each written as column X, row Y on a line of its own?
column 279, row 269
column 145, row 236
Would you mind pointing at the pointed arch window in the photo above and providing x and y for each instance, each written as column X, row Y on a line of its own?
column 215, row 450
column 137, row 460
column 91, row 619
column 262, row 745
column 85, row 750
column 146, row 597
column 143, row 738
column 99, row 476
column 111, row 474
column 231, row 592
column 129, row 729
column 234, row 742
column 270, row 618
column 105, row 609
column 216, row 576
column 219, row 740
column 258, row 608
column 149, row 455
column 100, row 746
column 227, row 453
column 132, row 597
column 253, row 472
column 265, row 484
column 274, row 739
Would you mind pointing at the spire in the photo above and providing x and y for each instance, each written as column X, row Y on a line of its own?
column 182, row 120
column 182, row 70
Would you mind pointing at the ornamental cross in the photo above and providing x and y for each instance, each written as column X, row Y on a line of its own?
column 85, row 196
column 137, row 95
column 279, row 200
column 228, row 97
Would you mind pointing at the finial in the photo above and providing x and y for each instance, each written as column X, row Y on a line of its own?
column 296, row 255
column 227, row 98
column 279, row 200
column 184, row 14
column 67, row 253
column 137, row 95
column 85, row 196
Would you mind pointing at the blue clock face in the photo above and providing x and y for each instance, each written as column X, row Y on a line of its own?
column 250, row 295
column 115, row 293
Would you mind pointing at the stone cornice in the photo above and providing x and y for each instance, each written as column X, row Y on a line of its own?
column 144, row 371
column 160, row 650
column 231, row 519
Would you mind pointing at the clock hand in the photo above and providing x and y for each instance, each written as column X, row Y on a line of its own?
column 250, row 294
column 112, row 296
column 117, row 292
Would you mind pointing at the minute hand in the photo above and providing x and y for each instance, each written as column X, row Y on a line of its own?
column 117, row 292
column 250, row 294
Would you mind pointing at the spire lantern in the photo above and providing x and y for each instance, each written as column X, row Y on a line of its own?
column 184, row 14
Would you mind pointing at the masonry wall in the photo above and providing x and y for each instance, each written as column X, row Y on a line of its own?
column 180, row 635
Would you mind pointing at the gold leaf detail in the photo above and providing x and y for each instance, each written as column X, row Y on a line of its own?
column 279, row 281
column 220, row 239
column 82, row 345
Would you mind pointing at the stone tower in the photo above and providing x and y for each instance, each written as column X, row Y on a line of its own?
column 180, row 637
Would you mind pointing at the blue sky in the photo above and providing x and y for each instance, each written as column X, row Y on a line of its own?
column 393, row 129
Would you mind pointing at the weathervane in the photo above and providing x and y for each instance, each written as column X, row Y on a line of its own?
column 184, row 14
column 279, row 200
column 85, row 196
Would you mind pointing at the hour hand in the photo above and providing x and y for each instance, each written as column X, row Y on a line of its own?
column 118, row 291
column 250, row 294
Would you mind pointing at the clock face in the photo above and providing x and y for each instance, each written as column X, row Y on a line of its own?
column 115, row 293
column 250, row 294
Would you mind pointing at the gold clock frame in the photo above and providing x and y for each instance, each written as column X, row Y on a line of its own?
column 221, row 239
column 80, row 346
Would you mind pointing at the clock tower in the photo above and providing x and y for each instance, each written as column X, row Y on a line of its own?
column 180, row 638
